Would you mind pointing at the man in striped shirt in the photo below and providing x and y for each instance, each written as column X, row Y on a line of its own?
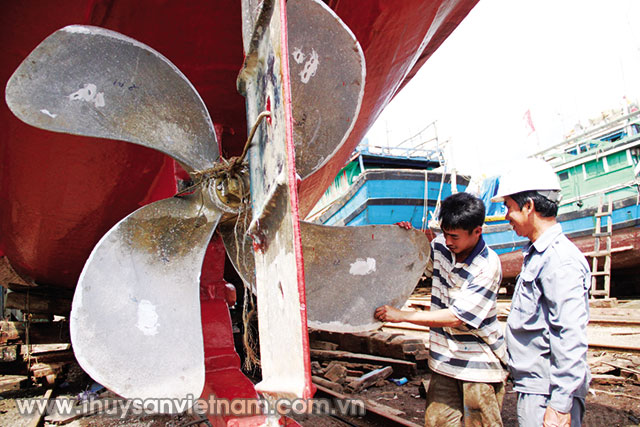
column 466, row 346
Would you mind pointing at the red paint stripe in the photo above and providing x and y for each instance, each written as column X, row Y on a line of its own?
column 309, row 388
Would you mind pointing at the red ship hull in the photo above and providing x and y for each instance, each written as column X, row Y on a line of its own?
column 628, row 238
column 59, row 193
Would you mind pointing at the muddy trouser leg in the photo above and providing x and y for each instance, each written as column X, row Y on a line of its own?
column 444, row 402
column 531, row 408
column 482, row 404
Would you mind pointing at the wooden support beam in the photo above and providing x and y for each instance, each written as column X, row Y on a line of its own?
column 400, row 367
column 30, row 303
column 39, row 332
column 379, row 343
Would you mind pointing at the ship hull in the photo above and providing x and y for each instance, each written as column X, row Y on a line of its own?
column 59, row 194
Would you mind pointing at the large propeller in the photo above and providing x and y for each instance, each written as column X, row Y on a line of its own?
column 139, row 289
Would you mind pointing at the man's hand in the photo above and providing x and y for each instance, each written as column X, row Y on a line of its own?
column 386, row 313
column 404, row 224
column 553, row 418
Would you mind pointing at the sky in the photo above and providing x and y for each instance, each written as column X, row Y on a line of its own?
column 557, row 61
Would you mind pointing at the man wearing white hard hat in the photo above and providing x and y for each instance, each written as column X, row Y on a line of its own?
column 547, row 326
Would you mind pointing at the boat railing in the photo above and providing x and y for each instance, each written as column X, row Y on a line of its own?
column 433, row 154
column 583, row 142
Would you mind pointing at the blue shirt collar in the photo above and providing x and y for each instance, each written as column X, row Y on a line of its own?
column 476, row 250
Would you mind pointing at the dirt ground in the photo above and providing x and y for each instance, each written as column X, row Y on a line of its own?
column 603, row 409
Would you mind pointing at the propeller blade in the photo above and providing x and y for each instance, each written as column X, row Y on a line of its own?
column 327, row 82
column 90, row 81
column 135, row 319
column 349, row 271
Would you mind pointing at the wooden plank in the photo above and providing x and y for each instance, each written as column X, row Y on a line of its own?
column 400, row 367
column 39, row 332
column 38, row 304
column 12, row 382
column 604, row 253
column 613, row 320
column 327, row 383
column 607, row 303
column 607, row 379
column 323, row 345
column 384, row 408
column 408, row 326
column 383, row 417
column 627, row 313
column 40, row 349
column 369, row 379
column 628, row 396
column 336, row 373
column 622, row 368
column 37, row 417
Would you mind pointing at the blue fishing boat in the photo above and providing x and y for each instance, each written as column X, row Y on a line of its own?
column 387, row 185
column 600, row 164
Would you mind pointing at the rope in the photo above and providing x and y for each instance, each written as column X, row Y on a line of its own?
column 253, row 131
column 28, row 325
column 426, row 201
column 249, row 341
column 234, row 168
column 436, row 211
column 248, row 308
column 231, row 167
column 454, row 181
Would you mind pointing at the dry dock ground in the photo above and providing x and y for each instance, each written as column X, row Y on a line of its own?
column 614, row 400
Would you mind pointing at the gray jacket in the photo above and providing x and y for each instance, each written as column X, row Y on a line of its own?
column 547, row 327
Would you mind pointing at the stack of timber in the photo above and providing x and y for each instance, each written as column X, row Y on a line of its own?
column 33, row 352
column 33, row 347
column 374, row 343
column 613, row 369
column 23, row 365
column 352, row 362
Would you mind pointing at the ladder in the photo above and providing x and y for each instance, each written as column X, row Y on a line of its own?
column 601, row 279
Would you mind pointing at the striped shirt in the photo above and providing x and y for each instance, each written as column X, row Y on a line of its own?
column 474, row 351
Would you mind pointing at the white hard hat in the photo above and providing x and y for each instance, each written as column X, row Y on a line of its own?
column 529, row 175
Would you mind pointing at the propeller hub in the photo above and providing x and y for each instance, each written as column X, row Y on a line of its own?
column 228, row 187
